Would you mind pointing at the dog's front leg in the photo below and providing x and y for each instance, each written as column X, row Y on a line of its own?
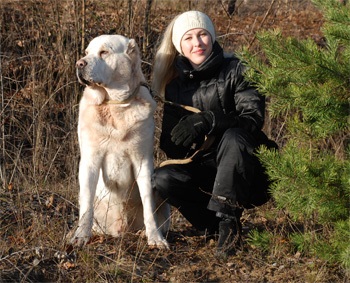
column 154, row 236
column 88, row 178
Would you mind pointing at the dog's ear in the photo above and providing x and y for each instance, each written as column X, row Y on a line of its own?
column 134, row 53
column 133, row 49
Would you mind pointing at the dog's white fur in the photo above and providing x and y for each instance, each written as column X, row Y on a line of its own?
column 116, row 134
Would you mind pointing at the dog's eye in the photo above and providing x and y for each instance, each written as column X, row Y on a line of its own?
column 103, row 53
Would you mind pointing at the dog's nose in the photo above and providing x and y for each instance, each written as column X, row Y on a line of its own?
column 80, row 64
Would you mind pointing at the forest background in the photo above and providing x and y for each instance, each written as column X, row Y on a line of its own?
column 40, row 41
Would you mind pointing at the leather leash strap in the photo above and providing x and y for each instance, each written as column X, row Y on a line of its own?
column 209, row 140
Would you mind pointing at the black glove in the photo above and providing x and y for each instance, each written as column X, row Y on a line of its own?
column 192, row 126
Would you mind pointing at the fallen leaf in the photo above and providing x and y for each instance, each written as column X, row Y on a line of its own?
column 10, row 187
column 68, row 265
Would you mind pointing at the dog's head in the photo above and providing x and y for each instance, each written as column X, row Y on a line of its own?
column 112, row 62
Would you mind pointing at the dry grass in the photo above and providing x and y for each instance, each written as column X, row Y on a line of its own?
column 40, row 42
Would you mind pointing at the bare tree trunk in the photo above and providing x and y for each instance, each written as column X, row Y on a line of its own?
column 82, row 26
column 146, row 31
column 130, row 16
column 2, row 122
column 231, row 7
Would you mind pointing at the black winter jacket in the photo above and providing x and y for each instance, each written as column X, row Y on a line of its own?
column 218, row 85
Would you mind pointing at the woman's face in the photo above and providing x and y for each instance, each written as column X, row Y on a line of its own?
column 196, row 46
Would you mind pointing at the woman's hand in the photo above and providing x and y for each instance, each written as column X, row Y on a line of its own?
column 192, row 126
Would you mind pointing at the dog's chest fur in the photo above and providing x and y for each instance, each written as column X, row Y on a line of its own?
column 115, row 123
column 118, row 135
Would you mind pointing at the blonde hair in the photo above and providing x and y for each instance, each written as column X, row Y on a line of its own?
column 164, row 62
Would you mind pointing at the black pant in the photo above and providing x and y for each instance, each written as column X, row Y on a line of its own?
column 225, row 180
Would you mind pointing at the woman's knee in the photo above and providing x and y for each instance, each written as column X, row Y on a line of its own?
column 237, row 138
column 169, row 179
column 236, row 135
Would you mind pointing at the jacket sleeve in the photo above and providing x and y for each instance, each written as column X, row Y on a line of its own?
column 249, row 109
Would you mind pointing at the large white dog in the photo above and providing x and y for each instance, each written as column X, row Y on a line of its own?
column 116, row 134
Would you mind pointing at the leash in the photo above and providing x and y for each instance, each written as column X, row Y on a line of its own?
column 189, row 108
column 209, row 140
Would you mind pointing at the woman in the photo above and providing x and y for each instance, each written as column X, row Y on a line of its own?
column 190, row 69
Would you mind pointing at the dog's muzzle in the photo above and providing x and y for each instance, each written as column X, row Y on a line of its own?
column 80, row 65
column 81, row 78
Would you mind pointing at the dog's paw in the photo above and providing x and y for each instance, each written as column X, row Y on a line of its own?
column 159, row 243
column 79, row 241
column 80, row 238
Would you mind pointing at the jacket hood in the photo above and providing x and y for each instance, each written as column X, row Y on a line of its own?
column 205, row 70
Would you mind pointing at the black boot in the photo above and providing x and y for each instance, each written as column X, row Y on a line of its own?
column 230, row 229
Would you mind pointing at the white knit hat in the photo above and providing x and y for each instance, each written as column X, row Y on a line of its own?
column 191, row 20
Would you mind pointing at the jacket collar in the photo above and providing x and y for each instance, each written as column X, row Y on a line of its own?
column 205, row 70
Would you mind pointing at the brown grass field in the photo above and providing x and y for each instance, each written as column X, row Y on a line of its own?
column 40, row 41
